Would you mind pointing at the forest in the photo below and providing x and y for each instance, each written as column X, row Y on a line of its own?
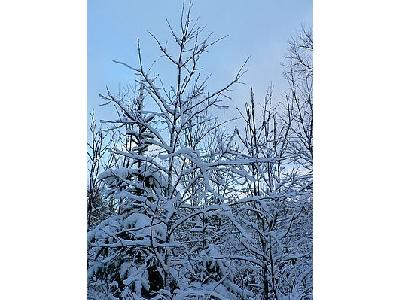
column 184, row 204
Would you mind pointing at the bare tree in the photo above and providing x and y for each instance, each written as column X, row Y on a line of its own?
column 273, row 227
column 97, row 150
column 299, row 74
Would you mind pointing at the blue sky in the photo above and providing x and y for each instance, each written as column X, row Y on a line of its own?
column 256, row 28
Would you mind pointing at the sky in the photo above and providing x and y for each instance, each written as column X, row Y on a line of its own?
column 256, row 28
